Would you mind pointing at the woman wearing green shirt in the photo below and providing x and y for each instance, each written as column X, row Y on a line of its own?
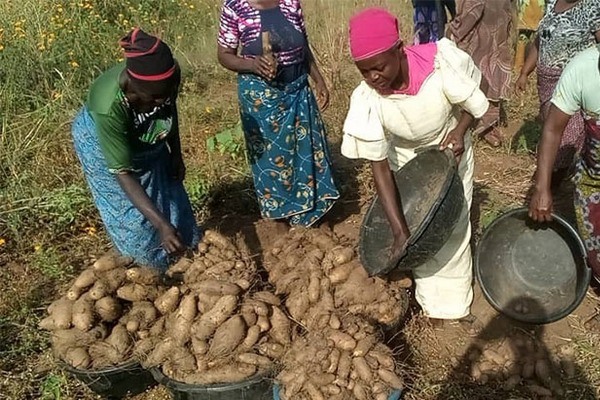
column 127, row 139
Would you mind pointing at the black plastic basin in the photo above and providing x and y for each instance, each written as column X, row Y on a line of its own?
column 532, row 272
column 432, row 200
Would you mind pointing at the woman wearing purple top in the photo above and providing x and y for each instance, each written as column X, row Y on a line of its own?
column 285, row 136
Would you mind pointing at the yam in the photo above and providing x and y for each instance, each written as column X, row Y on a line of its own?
column 213, row 237
column 385, row 360
column 168, row 301
column 158, row 327
column 254, row 359
column 259, row 307
column 64, row 339
column 141, row 316
column 74, row 292
column 362, row 369
column 539, row 390
column 263, row 322
column 344, row 365
column 182, row 360
column 48, row 324
column 341, row 255
column 511, row 382
column 334, row 322
column 543, row 372
column 313, row 391
column 494, row 357
column 334, row 358
column 179, row 267
column 267, row 298
column 321, row 378
column 228, row 336
column 99, row 332
column 143, row 347
column 85, row 279
column 143, row 275
column 114, row 279
column 187, row 308
column 78, row 358
column 208, row 322
column 111, row 261
column 220, row 268
column 249, row 315
column 342, row 340
column 340, row 273
column 136, row 292
column 61, row 312
column 272, row 350
column 104, row 354
column 225, row 374
column 528, row 369
column 252, row 337
column 159, row 354
column 297, row 304
column 119, row 339
column 199, row 347
column 203, row 247
column 83, row 314
column 390, row 378
column 243, row 283
column 180, row 329
column 206, row 302
column 359, row 391
column 280, row 327
column 314, row 287
column 108, row 308
column 363, row 346
column 218, row 288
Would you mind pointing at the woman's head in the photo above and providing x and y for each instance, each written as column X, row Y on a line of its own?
column 376, row 48
column 152, row 75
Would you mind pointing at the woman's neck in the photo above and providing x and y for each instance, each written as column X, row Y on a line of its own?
column 403, row 79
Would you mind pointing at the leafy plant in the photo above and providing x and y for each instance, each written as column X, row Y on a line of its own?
column 229, row 141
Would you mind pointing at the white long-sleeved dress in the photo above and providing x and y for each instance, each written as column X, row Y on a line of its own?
column 392, row 127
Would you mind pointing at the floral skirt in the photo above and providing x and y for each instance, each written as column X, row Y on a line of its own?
column 287, row 149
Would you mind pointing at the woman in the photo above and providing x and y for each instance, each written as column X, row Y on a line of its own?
column 127, row 139
column 578, row 90
column 568, row 27
column 430, row 19
column 285, row 135
column 530, row 12
column 482, row 29
column 413, row 97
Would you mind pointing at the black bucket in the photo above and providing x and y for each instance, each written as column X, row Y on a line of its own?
column 115, row 382
column 259, row 387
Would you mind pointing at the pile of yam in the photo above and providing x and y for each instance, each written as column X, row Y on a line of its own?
column 317, row 272
column 216, row 330
column 347, row 361
column 108, row 306
column 522, row 361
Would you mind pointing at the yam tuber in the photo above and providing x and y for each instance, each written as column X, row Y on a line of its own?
column 120, row 339
column 61, row 313
column 136, row 292
column 142, row 275
column 83, row 313
column 254, row 359
column 111, row 261
column 342, row 340
column 390, row 378
column 215, row 287
column 85, row 279
column 213, row 237
column 168, row 301
column 224, row 374
column 280, row 327
column 78, row 358
column 228, row 336
column 267, row 297
column 109, row 309
column 205, row 326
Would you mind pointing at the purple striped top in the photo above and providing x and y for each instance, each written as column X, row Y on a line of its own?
column 240, row 24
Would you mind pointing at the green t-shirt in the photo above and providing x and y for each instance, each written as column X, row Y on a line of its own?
column 121, row 131
column 579, row 85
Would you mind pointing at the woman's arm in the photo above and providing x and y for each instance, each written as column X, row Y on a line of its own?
column 455, row 139
column 171, row 240
column 529, row 65
column 392, row 205
column 320, row 86
column 259, row 65
column 540, row 207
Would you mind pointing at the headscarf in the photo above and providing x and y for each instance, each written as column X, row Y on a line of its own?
column 372, row 32
column 147, row 57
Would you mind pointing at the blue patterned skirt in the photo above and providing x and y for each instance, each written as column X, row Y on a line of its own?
column 426, row 20
column 287, row 148
column 131, row 233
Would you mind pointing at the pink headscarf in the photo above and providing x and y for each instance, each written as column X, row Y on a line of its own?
column 372, row 31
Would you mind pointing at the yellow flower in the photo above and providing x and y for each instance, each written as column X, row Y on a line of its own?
column 74, row 64
column 2, row 240
column 208, row 110
column 191, row 6
column 1, row 47
column 41, row 47
column 90, row 230
column 37, row 247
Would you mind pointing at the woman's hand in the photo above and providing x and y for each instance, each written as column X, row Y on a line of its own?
column 455, row 141
column 398, row 250
column 322, row 94
column 171, row 239
column 540, row 206
column 265, row 66
column 521, row 84
column 177, row 168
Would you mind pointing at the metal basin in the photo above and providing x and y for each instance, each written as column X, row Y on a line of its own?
column 432, row 200
column 532, row 272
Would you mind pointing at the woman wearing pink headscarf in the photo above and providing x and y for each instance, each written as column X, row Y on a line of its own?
column 413, row 97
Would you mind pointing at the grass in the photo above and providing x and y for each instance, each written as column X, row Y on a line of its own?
column 50, row 52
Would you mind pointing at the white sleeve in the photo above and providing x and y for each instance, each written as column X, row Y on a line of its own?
column 364, row 136
column 460, row 78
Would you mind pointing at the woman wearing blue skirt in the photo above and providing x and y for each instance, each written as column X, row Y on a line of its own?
column 127, row 139
column 285, row 136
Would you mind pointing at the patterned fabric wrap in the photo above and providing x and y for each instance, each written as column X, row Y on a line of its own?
column 131, row 233
column 426, row 22
column 240, row 24
column 573, row 136
column 287, row 148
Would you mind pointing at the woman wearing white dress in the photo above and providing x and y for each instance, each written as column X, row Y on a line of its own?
column 413, row 97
